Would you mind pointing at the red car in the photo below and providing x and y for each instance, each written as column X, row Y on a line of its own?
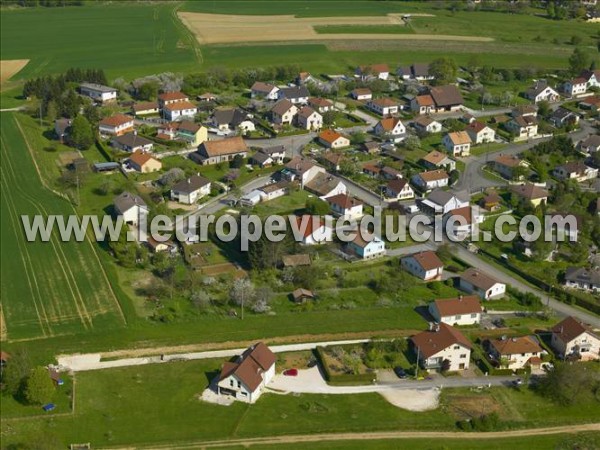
column 291, row 372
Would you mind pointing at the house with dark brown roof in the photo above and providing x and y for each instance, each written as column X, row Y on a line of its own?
column 245, row 378
column 361, row 94
column 381, row 71
column 572, row 338
column 438, row 160
column 462, row 310
column 399, row 189
column 424, row 265
column 345, row 206
column 283, row 112
column 583, row 278
column 575, row 170
column 505, row 165
column 223, row 150
column 446, row 98
column 474, row 281
column 325, row 185
column 515, row 352
column 530, row 192
column 264, row 90
column 300, row 295
column 442, row 348
column 191, row 189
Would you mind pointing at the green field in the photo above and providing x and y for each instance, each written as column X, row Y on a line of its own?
column 363, row 29
column 50, row 288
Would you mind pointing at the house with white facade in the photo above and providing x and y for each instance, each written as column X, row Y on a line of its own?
column 131, row 142
column 505, row 165
column 245, row 378
column 131, row 207
column 575, row 86
column 540, row 91
column 283, row 112
column 223, row 150
column 312, row 230
column 516, row 352
column 575, row 170
column 426, row 124
column 390, row 128
column 333, row 139
column 591, row 77
column 274, row 190
column 462, row 310
column 370, row 248
column 459, row 222
column 523, row 126
column 325, row 185
column 427, row 181
column 115, row 125
column 383, row 106
column 345, row 206
column 442, row 348
column 480, row 133
column 301, row 169
column 171, row 97
column 442, row 202
column 458, row 143
column 399, row 189
column 320, row 104
column 98, row 92
column 574, row 339
column 424, row 265
column 264, row 90
column 191, row 189
column 309, row 119
column 380, row 71
column 590, row 145
column 295, row 94
column 361, row 94
column 179, row 111
column 438, row 160
column 474, row 281
column 583, row 279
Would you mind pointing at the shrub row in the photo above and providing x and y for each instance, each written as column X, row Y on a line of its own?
column 345, row 379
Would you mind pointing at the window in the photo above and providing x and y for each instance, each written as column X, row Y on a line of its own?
column 456, row 347
column 463, row 356
column 457, row 317
column 473, row 315
column 231, row 383
column 239, row 384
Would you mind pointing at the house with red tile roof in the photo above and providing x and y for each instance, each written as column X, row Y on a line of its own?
column 333, row 139
column 462, row 310
column 115, row 125
column 442, row 348
column 573, row 338
column 424, row 265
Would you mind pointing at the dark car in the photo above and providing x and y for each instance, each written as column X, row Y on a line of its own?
column 400, row 372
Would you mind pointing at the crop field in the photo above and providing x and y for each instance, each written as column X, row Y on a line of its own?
column 9, row 68
column 48, row 288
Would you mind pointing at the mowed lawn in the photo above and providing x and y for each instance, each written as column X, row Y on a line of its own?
column 48, row 288
column 125, row 39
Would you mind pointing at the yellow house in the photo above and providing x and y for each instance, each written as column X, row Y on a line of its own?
column 144, row 162
column 534, row 194
column 191, row 132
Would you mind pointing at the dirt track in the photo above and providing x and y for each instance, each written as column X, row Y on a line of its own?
column 223, row 29
column 332, row 437
column 9, row 67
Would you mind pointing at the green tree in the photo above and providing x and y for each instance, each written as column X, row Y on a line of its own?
column 147, row 91
column 544, row 109
column 51, row 111
column 412, row 142
column 329, row 117
column 81, row 135
column 16, row 370
column 39, row 387
column 316, row 207
column 568, row 383
column 444, row 70
column 578, row 61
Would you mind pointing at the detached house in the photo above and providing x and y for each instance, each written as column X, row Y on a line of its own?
column 480, row 133
column 283, row 112
column 381, row 71
column 574, row 339
column 523, row 126
column 505, row 165
column 442, row 348
column 320, row 104
column 583, row 279
column 131, row 207
column 426, row 181
column 144, row 162
column 345, row 206
column 179, row 110
column 371, row 248
column 575, row 170
column 446, row 98
column 457, row 143
column 190, row 190
column 214, row 152
column 399, row 189
column 391, row 128
column 438, row 160
column 246, row 378
column 276, row 152
column 574, row 87
column 325, row 185
column 115, row 125
column 442, row 202
column 419, row 72
column 531, row 193
column 591, row 77
column 333, row 139
column 424, row 265
column 313, row 230
column 62, row 127
column 131, row 142
column 295, row 94
column 562, row 117
column 426, row 124
column 192, row 133
column 516, row 352
column 474, row 281
column 461, row 221
column 423, row 104
column 540, row 91
column 231, row 119
column 591, row 144
column 463, row 310
column 361, row 94
column 264, row 90
column 309, row 119
column 145, row 108
column 169, row 98
column 301, row 169
column 383, row 106
column 98, row 92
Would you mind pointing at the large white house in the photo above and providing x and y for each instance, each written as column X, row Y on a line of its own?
column 432, row 179
column 115, row 125
column 264, row 90
column 399, row 189
column 345, row 206
column 312, row 230
column 383, row 106
column 131, row 207
column 179, row 110
column 98, row 92
column 370, row 248
column 540, row 91
column 390, row 128
column 191, row 189
column 574, row 87
column 458, row 143
column 245, row 378
column 583, row 278
column 476, row 282
column 572, row 338
column 442, row 348
column 516, row 352
column 463, row 310
column 442, row 202
column 309, row 119
column 424, row 265
column 480, row 133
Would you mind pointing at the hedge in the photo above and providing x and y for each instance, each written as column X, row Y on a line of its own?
column 102, row 149
column 345, row 379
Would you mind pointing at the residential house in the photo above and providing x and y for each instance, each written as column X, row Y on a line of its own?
column 274, row 190
column 562, row 117
column 480, row 133
column 309, row 119
column 426, row 124
column 251, row 198
column 462, row 310
column 325, row 185
column 438, row 160
column 345, row 206
column 295, row 94
column 583, row 279
column 476, row 282
column 423, row 104
column 442, row 348
column 383, row 106
column 371, row 147
column 169, row 98
column 245, row 379
column 461, row 221
column 572, row 338
column 389, row 173
column 399, row 189
column 214, row 152
column 361, row 94
column 313, row 230
column 276, row 152
column 301, row 169
column 179, row 110
column 264, row 90
column 115, row 125
column 442, row 202
column 298, row 260
column 230, row 119
column 283, row 112
column 190, row 190
column 390, row 128
column 371, row 170
column 575, row 86
column 575, row 170
column 540, row 91
column 505, row 165
column 161, row 246
column 144, row 162
column 491, row 201
column 532, row 193
column 145, row 108
column 446, row 98
column 424, row 265
column 524, row 110
column 333, row 139
column 62, row 127
column 131, row 142
column 320, row 104
column 193, row 133
column 515, row 352
column 332, row 160
column 426, row 181
column 380, row 71
column 300, row 295
column 370, row 248
column 419, row 72
column 98, row 92
column 590, row 103
column 523, row 126
column 458, row 143
column 591, row 144
column 206, row 97
column 131, row 207
column 261, row 159
column 591, row 77
column 306, row 78
column 468, row 118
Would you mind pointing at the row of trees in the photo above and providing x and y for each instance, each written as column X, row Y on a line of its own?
column 26, row 383
column 45, row 3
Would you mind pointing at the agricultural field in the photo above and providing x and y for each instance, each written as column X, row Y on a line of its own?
column 48, row 288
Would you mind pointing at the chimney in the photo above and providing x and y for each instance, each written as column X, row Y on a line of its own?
column 437, row 327
column 189, row 180
column 514, row 339
column 431, row 326
column 503, row 338
column 460, row 297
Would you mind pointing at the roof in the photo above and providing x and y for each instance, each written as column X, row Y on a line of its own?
column 458, row 306
column 591, row 141
column 433, row 175
column 459, row 137
column 508, row 160
column 61, row 125
column 274, row 187
column 516, row 345
column 230, row 116
column 440, row 197
column 523, row 110
column 225, row 146
column 361, row 91
column 261, row 157
column 582, row 274
column 319, row 102
column 322, row 183
column 301, row 293
column 476, row 126
column 132, row 140
column 144, row 106
column 578, row 80
column 587, row 74
column 525, row 121
column 259, row 86
column 389, row 123
column 538, row 87
column 428, row 260
column 97, row 87
column 573, row 167
column 425, row 121
column 562, row 113
column 396, row 185
column 186, row 125
column 333, row 158
column 172, row 96
column 374, row 68
column 384, row 101
column 424, row 100
column 116, row 120
column 180, row 105
column 255, row 360
column 282, row 106
column 465, row 212
column 435, row 157
column 446, row 95
column 361, row 242
column 299, row 164
column 126, row 200
column 570, row 328
column 302, row 259
column 295, row 92
column 344, row 201
column 306, row 112
column 191, row 184
column 273, row 149
column 141, row 158
column 434, row 341
column 530, row 191
column 329, row 136
column 310, row 229
column 420, row 69
column 479, row 279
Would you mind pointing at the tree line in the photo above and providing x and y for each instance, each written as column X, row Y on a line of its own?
column 45, row 3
